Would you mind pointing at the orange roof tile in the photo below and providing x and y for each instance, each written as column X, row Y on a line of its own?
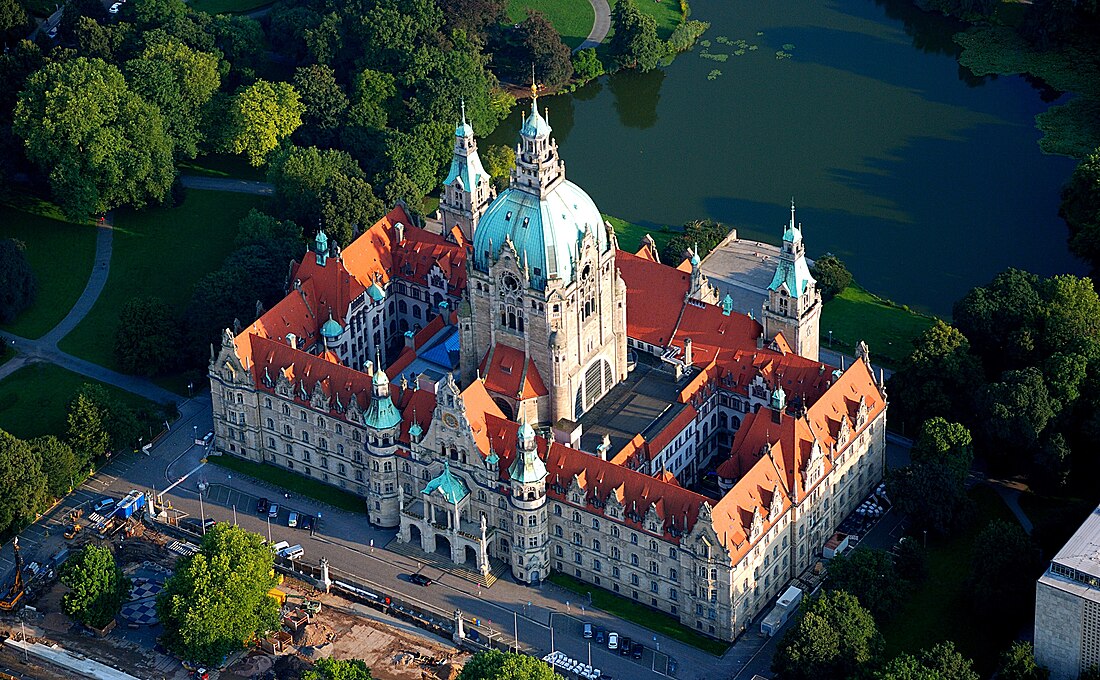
column 654, row 297
column 505, row 372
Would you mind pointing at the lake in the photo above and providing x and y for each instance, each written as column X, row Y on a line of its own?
column 925, row 180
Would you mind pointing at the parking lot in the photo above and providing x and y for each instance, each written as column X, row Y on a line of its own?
column 218, row 499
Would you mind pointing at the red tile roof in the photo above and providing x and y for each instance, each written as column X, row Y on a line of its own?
column 505, row 372
column 655, row 295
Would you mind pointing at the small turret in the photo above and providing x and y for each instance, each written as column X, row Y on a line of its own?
column 320, row 247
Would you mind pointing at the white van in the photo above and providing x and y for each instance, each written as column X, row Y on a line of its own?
column 279, row 547
column 294, row 552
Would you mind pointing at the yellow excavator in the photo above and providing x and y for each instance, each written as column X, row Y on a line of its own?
column 15, row 593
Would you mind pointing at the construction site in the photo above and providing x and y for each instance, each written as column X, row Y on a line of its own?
column 40, row 641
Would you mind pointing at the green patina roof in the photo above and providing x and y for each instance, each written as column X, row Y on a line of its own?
column 331, row 328
column 452, row 488
column 381, row 414
column 376, row 293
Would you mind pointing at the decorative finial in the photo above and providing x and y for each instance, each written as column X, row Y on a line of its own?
column 534, row 87
column 463, row 110
column 792, row 212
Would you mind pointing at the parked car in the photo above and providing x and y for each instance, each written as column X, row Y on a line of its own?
column 262, row 505
column 420, row 579
column 273, row 511
column 601, row 636
column 115, row 7
column 612, row 641
column 306, row 522
column 209, row 523
column 636, row 650
column 586, row 632
column 104, row 504
column 292, row 520
column 624, row 646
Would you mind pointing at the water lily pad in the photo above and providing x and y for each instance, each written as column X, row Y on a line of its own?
column 739, row 52
column 704, row 43
column 760, row 33
column 753, row 48
column 788, row 47
column 713, row 75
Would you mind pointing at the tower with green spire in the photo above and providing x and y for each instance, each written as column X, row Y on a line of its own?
column 468, row 189
column 530, row 533
column 383, row 422
column 793, row 307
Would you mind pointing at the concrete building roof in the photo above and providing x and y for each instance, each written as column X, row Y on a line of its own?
column 1076, row 567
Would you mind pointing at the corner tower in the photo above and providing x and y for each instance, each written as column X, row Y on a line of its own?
column 467, row 191
column 530, row 528
column 793, row 307
column 545, row 319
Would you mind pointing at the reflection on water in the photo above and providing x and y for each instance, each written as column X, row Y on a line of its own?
column 923, row 182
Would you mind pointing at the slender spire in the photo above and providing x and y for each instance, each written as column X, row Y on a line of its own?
column 792, row 212
column 463, row 110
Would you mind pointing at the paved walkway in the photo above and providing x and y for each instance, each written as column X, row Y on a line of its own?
column 600, row 26
column 45, row 348
column 238, row 186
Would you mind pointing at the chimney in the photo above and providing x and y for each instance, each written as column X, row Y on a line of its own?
column 410, row 339
column 760, row 341
column 292, row 340
column 399, row 232
column 687, row 352
column 370, row 368
column 777, row 416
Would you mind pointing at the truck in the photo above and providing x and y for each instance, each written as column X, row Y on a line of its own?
column 785, row 606
column 133, row 503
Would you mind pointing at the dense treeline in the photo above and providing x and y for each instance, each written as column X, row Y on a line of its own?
column 35, row 471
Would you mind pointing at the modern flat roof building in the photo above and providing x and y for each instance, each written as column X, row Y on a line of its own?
column 1067, row 605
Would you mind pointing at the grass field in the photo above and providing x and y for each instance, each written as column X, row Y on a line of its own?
column 654, row 620
column 572, row 18
column 222, row 165
column 665, row 12
column 34, row 400
column 160, row 252
column 939, row 610
column 857, row 314
column 291, row 481
column 630, row 235
column 60, row 252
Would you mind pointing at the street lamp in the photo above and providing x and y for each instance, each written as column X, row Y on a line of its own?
column 202, row 514
column 830, row 338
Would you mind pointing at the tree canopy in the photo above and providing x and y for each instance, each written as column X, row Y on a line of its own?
column 833, row 637
column 1018, row 663
column 1004, row 562
column 831, row 275
column 343, row 669
column 217, row 601
column 97, row 586
column 870, row 576
column 260, row 116
column 100, row 144
column 634, row 44
column 932, row 488
column 146, row 340
column 497, row 665
column 941, row 662
column 22, row 480
column 1081, row 209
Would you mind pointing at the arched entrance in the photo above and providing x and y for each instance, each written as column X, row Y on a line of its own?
column 443, row 545
column 535, row 578
column 471, row 557
column 505, row 407
column 415, row 536
column 598, row 379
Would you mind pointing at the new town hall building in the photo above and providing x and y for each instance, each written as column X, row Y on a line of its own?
column 548, row 399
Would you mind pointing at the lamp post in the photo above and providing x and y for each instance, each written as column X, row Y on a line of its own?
column 515, row 624
column 269, row 528
column 830, row 338
column 202, row 514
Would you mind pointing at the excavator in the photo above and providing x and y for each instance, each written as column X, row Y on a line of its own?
column 11, row 599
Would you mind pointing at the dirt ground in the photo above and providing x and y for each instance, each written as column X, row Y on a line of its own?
column 337, row 632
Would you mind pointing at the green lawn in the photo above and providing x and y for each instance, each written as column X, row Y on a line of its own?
column 939, row 610
column 222, row 165
column 160, row 252
column 654, row 620
column 291, row 481
column 61, row 253
column 857, row 314
column 34, row 400
column 572, row 18
column 630, row 235
column 665, row 12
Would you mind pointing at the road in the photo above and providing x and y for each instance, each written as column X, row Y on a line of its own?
column 601, row 24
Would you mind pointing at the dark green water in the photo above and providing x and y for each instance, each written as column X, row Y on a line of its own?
column 924, row 179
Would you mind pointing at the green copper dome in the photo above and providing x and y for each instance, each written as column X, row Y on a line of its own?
column 546, row 231
column 331, row 328
column 450, row 487
column 375, row 292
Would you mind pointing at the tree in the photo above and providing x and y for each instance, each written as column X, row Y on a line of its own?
column 497, row 665
column 101, row 145
column 60, row 464
column 100, row 41
column 344, row 669
column 257, row 228
column 932, row 488
column 372, row 97
column 241, row 39
column 831, row 275
column 18, row 284
column 88, row 428
column 217, row 601
column 833, row 637
column 260, row 116
column 180, row 81
column 148, row 14
column 703, row 235
column 119, row 421
column 499, row 161
column 939, row 378
column 634, row 44
column 472, row 16
column 1018, row 663
column 1015, row 411
column 941, row 662
column 1081, row 209
column 1051, row 464
column 1003, row 565
column 325, row 103
column 587, row 65
column 13, row 18
column 145, row 342
column 1001, row 320
column 23, row 483
column 97, row 587
column 911, row 560
column 869, row 575
column 543, row 44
